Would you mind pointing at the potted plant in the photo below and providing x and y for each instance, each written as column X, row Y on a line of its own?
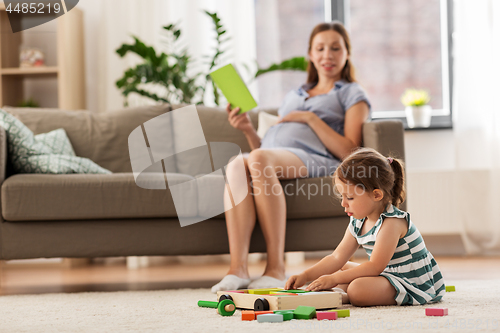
column 418, row 112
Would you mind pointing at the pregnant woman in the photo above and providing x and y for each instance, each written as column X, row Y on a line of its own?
column 320, row 124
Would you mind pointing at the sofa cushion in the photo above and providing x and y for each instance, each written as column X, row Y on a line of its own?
column 101, row 137
column 42, row 154
column 58, row 141
column 28, row 197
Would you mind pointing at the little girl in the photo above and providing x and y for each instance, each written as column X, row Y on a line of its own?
column 400, row 270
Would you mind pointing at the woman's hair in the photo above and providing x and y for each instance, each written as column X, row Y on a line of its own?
column 347, row 73
column 371, row 170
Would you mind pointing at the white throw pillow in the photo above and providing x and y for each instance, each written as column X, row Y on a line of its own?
column 266, row 120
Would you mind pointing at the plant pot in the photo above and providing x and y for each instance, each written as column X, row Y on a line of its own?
column 418, row 116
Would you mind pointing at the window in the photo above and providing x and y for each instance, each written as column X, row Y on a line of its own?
column 398, row 45
column 395, row 45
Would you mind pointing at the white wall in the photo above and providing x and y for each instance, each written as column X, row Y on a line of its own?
column 431, row 174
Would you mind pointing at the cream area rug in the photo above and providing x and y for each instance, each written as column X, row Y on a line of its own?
column 475, row 306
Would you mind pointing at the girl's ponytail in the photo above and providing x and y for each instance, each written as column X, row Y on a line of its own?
column 398, row 189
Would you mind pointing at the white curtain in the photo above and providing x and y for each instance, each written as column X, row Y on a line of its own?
column 477, row 123
column 110, row 23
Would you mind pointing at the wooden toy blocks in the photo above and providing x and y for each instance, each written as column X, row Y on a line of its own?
column 304, row 312
column 263, row 291
column 270, row 318
column 449, row 288
column 326, row 315
column 247, row 315
column 436, row 312
column 341, row 313
column 225, row 307
column 287, row 314
column 279, row 299
column 258, row 313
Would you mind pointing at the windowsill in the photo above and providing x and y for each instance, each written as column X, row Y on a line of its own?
column 437, row 123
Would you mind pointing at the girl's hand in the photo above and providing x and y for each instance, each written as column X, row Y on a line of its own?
column 304, row 117
column 322, row 283
column 239, row 121
column 295, row 282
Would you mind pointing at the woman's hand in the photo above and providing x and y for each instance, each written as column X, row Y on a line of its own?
column 295, row 282
column 239, row 121
column 322, row 283
column 304, row 117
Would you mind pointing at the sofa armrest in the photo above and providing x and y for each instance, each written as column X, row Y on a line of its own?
column 3, row 154
column 385, row 136
column 388, row 138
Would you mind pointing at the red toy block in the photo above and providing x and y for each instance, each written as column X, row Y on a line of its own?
column 262, row 312
column 247, row 315
column 436, row 312
column 326, row 315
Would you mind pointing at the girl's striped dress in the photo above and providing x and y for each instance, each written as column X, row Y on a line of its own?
column 412, row 269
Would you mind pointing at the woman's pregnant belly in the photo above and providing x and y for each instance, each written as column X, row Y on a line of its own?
column 294, row 135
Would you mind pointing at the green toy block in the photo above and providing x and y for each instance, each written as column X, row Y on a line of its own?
column 296, row 291
column 304, row 312
column 341, row 313
column 450, row 288
column 287, row 314
column 263, row 291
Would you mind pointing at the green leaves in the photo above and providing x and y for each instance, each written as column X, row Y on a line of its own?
column 168, row 71
column 219, row 30
column 292, row 64
column 163, row 77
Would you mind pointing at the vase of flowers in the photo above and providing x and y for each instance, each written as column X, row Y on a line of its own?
column 418, row 112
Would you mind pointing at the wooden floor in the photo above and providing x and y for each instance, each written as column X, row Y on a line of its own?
column 16, row 279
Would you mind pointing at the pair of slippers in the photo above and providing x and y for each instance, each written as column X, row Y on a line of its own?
column 233, row 282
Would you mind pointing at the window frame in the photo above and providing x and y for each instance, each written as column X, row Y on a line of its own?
column 441, row 119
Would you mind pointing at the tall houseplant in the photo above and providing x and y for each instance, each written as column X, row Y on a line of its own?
column 163, row 77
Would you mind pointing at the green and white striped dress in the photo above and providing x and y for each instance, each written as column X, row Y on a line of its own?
column 412, row 269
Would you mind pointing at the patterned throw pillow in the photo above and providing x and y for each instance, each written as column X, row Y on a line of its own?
column 44, row 153
column 58, row 142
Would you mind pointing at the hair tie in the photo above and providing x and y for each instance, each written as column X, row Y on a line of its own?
column 390, row 160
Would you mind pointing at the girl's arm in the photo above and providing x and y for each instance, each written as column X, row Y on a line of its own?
column 338, row 145
column 328, row 265
column 385, row 245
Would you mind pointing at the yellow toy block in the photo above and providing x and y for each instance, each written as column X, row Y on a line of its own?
column 263, row 291
column 341, row 313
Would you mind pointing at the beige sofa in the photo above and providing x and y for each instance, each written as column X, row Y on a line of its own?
column 81, row 215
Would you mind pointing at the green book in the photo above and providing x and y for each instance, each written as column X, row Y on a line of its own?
column 234, row 89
